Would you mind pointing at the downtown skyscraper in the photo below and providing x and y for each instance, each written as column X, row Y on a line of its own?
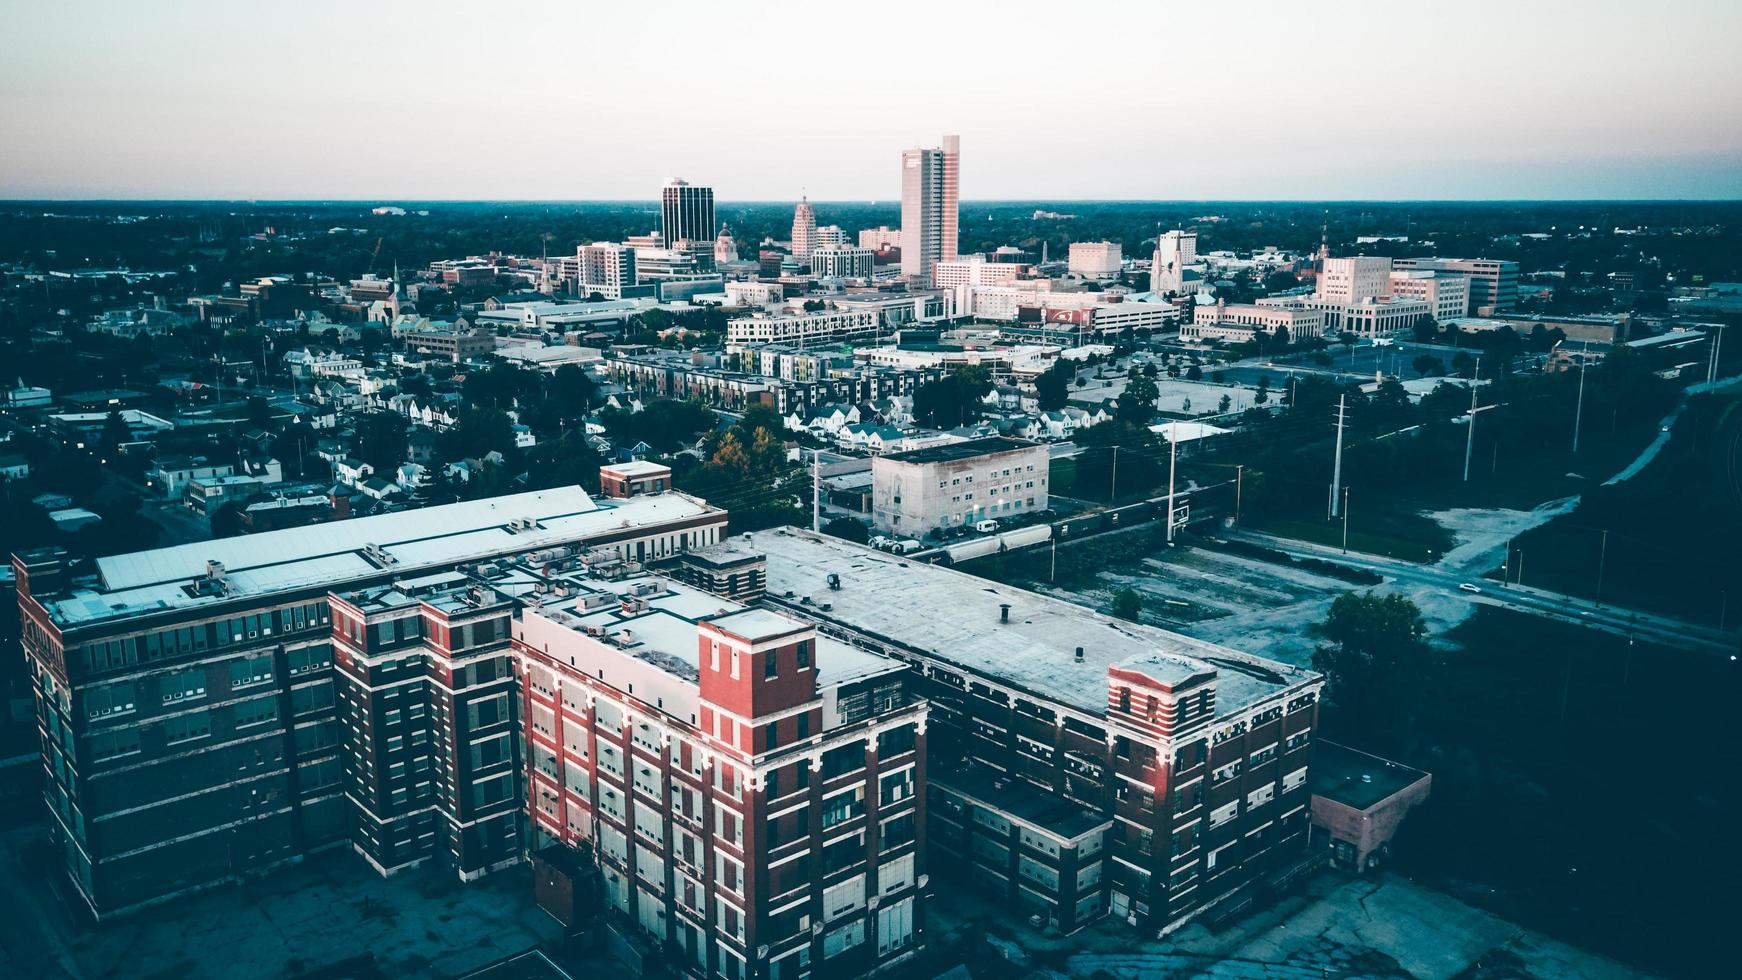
column 930, row 194
column 686, row 214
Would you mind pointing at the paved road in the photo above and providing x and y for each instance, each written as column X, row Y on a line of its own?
column 1609, row 618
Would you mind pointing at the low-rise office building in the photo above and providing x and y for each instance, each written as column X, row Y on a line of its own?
column 752, row 792
column 1239, row 322
column 914, row 493
column 1076, row 765
column 186, row 698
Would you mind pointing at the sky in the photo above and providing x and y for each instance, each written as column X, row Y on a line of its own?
column 1154, row 100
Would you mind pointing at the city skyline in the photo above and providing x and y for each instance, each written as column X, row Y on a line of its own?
column 103, row 102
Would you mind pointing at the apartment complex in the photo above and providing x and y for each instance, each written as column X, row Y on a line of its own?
column 916, row 492
column 1493, row 282
column 930, row 191
column 187, row 700
column 752, row 792
column 1075, row 764
column 605, row 268
column 819, row 327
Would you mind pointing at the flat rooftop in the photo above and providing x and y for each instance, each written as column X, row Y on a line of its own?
column 1052, row 812
column 951, row 452
column 344, row 553
column 954, row 618
column 1354, row 778
column 657, row 620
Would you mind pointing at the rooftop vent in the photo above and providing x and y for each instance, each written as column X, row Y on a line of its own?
column 834, row 581
column 1079, row 654
column 1004, row 617
column 214, row 570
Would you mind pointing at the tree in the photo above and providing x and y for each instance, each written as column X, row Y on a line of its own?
column 1223, row 405
column 476, row 432
column 1194, row 373
column 381, row 440
column 1376, row 663
column 1137, row 401
column 1127, row 604
column 1053, row 388
column 1263, row 394
column 1463, row 365
column 1426, row 364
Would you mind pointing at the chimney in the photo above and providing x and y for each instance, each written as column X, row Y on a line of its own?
column 1004, row 613
column 1079, row 654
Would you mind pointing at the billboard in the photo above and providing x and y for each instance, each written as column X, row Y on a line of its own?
column 1039, row 314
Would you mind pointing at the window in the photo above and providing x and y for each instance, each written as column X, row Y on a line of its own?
column 837, row 762
column 256, row 712
column 897, row 832
column 187, row 727
column 110, row 699
column 844, row 853
column 250, row 670
column 895, row 787
column 848, row 936
column 804, row 654
column 771, row 664
column 895, row 875
column 846, row 897
column 183, row 684
column 895, row 741
column 114, row 742
column 843, row 806
column 894, row 926
column 303, row 660
column 1224, row 813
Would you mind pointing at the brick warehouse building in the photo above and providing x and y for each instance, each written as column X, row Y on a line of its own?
column 186, row 699
column 1079, row 764
column 752, row 793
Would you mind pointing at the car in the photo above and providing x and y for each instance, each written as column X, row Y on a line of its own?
column 986, row 527
column 907, row 547
column 880, row 542
column 1467, row 587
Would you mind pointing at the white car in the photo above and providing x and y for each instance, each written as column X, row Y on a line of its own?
column 986, row 527
column 1467, row 587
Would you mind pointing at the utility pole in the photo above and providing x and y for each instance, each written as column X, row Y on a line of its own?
column 1337, row 465
column 1602, row 560
column 1172, row 456
column 1717, row 345
column 1579, row 409
column 1113, row 489
column 816, row 490
column 1470, row 440
column 1518, row 580
column 1345, row 520
column 1052, row 573
column 1239, row 471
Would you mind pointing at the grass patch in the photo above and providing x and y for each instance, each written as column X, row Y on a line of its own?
column 1382, row 530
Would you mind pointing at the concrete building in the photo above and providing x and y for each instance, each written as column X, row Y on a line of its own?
column 915, row 493
column 624, row 480
column 751, row 790
column 879, row 238
column 1358, row 802
column 1493, row 282
column 605, row 268
column 1095, row 260
column 819, row 327
column 1354, row 278
column 1237, row 322
column 1447, row 295
column 1175, row 252
column 686, row 215
column 930, row 190
column 1076, row 765
column 804, row 229
column 430, row 748
column 186, row 695
column 842, row 262
column 453, row 342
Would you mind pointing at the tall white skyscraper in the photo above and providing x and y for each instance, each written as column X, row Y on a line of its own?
column 930, row 196
column 686, row 214
column 1355, row 278
column 1174, row 251
column 804, row 230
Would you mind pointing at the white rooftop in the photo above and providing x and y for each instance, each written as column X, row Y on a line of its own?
column 336, row 554
column 955, row 618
